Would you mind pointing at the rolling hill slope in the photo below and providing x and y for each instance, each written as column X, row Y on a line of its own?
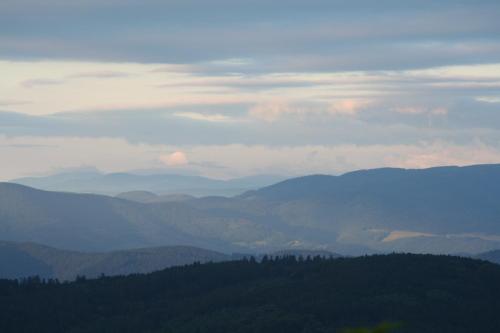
column 90, row 222
column 18, row 260
column 448, row 208
column 493, row 256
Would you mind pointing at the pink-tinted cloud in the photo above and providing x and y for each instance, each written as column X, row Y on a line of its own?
column 176, row 159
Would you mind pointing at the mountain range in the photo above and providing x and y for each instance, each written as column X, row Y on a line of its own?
column 150, row 197
column 93, row 181
column 21, row 260
column 436, row 210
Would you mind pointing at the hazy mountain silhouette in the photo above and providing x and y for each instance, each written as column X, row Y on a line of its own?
column 150, row 197
column 303, row 253
column 493, row 256
column 18, row 260
column 92, row 181
column 92, row 222
column 437, row 210
column 25, row 259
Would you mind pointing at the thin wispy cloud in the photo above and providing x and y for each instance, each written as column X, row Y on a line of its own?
column 99, row 75
column 216, row 118
column 13, row 102
column 40, row 82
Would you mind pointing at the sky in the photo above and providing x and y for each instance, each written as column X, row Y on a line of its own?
column 231, row 88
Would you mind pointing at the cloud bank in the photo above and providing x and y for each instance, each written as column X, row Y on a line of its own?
column 243, row 87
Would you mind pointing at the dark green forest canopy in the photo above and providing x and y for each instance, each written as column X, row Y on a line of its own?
column 425, row 293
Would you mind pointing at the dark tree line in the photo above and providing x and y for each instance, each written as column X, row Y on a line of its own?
column 280, row 295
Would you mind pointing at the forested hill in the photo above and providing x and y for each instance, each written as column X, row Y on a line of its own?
column 425, row 293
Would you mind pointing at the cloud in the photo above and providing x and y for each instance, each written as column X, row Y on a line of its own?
column 337, row 159
column 418, row 110
column 30, row 155
column 176, row 159
column 26, row 145
column 488, row 99
column 22, row 156
column 41, row 82
column 441, row 153
column 309, row 93
column 99, row 75
column 13, row 102
column 335, row 84
column 215, row 118
column 348, row 106
column 385, row 35
column 273, row 110
column 287, row 125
